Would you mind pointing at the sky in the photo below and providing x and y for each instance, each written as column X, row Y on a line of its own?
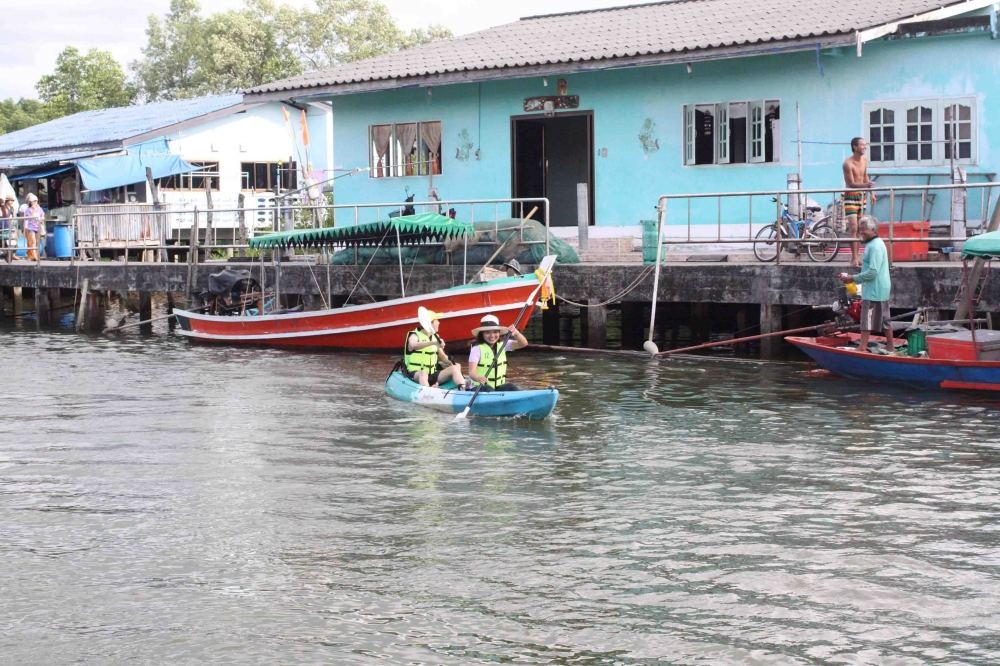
column 36, row 32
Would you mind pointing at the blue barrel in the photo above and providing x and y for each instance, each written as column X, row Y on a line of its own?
column 22, row 246
column 63, row 242
column 50, row 245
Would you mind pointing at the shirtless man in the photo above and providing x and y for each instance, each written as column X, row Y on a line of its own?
column 855, row 178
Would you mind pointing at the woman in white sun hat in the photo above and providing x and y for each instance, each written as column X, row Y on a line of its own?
column 482, row 369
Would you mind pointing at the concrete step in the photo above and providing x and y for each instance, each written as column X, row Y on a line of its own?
column 625, row 250
column 592, row 257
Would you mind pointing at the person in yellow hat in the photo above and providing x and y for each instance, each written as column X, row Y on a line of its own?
column 424, row 358
column 482, row 369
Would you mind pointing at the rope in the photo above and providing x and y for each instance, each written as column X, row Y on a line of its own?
column 370, row 259
column 627, row 290
column 322, row 297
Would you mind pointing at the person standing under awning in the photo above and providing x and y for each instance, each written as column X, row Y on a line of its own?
column 34, row 218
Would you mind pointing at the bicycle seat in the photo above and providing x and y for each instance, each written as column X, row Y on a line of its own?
column 814, row 209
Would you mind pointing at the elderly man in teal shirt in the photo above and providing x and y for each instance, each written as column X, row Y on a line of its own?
column 875, row 286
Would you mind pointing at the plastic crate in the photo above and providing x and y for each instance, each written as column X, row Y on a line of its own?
column 912, row 250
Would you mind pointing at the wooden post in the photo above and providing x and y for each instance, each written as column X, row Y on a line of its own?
column 594, row 324
column 208, row 219
column 81, row 311
column 96, row 311
column 701, row 322
column 741, row 326
column 145, row 312
column 550, row 325
column 633, row 325
column 171, row 322
column 43, row 308
column 18, row 301
column 161, row 226
column 770, row 322
column 242, row 216
column 193, row 252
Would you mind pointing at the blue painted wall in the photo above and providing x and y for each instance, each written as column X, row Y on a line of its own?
column 830, row 88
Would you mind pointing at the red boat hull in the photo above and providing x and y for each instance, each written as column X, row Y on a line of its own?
column 375, row 326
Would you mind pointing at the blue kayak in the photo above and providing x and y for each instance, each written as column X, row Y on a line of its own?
column 533, row 404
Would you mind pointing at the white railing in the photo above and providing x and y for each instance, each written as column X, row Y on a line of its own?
column 728, row 218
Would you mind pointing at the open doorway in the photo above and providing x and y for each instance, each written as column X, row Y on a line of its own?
column 549, row 157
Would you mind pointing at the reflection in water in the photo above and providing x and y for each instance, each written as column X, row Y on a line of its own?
column 162, row 502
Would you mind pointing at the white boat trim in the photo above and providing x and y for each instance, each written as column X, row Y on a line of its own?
column 336, row 331
column 421, row 299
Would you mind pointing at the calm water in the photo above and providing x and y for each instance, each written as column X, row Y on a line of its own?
column 174, row 504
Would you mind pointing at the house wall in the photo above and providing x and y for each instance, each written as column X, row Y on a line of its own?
column 830, row 88
column 258, row 135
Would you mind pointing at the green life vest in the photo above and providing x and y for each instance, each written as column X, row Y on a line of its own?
column 421, row 359
column 498, row 375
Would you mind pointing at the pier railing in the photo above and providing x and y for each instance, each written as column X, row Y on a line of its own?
column 163, row 233
column 734, row 218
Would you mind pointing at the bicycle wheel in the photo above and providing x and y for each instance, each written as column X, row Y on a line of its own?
column 823, row 243
column 765, row 244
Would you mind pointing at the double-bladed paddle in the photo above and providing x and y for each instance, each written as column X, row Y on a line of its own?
column 545, row 267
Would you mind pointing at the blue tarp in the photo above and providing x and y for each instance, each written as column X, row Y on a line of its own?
column 101, row 173
column 43, row 173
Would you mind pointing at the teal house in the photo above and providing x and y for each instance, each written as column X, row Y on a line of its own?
column 683, row 96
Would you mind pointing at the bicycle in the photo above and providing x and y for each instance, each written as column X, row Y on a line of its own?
column 818, row 237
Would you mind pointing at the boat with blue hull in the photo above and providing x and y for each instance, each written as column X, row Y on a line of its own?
column 934, row 356
column 840, row 355
column 535, row 404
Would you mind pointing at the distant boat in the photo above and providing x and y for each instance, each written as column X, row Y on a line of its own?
column 373, row 326
column 534, row 404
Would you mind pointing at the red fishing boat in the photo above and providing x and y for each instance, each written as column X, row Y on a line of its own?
column 373, row 326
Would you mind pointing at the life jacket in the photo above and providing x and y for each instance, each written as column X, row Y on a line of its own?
column 421, row 359
column 498, row 376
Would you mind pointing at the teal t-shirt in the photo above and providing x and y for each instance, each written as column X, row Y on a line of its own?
column 874, row 275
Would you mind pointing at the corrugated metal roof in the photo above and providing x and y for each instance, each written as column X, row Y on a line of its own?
column 620, row 33
column 23, row 160
column 104, row 127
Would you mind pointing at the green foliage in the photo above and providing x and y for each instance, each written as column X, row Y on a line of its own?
column 187, row 55
column 84, row 82
column 80, row 82
column 20, row 114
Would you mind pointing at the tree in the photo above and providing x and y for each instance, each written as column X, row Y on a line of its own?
column 187, row 55
column 84, row 82
column 23, row 113
column 342, row 31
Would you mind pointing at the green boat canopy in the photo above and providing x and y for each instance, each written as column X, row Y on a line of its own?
column 983, row 245
column 412, row 229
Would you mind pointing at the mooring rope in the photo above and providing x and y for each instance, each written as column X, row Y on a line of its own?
column 625, row 292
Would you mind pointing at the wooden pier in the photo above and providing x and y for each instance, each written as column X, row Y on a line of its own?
column 747, row 296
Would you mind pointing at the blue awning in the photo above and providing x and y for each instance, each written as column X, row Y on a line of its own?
column 101, row 173
column 43, row 173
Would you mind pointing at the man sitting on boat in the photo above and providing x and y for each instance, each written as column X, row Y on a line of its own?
column 424, row 357
column 487, row 362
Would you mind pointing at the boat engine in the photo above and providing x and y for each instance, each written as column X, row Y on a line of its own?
column 847, row 307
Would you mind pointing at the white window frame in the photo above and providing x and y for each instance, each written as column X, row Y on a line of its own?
column 689, row 134
column 722, row 133
column 756, row 132
column 937, row 106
